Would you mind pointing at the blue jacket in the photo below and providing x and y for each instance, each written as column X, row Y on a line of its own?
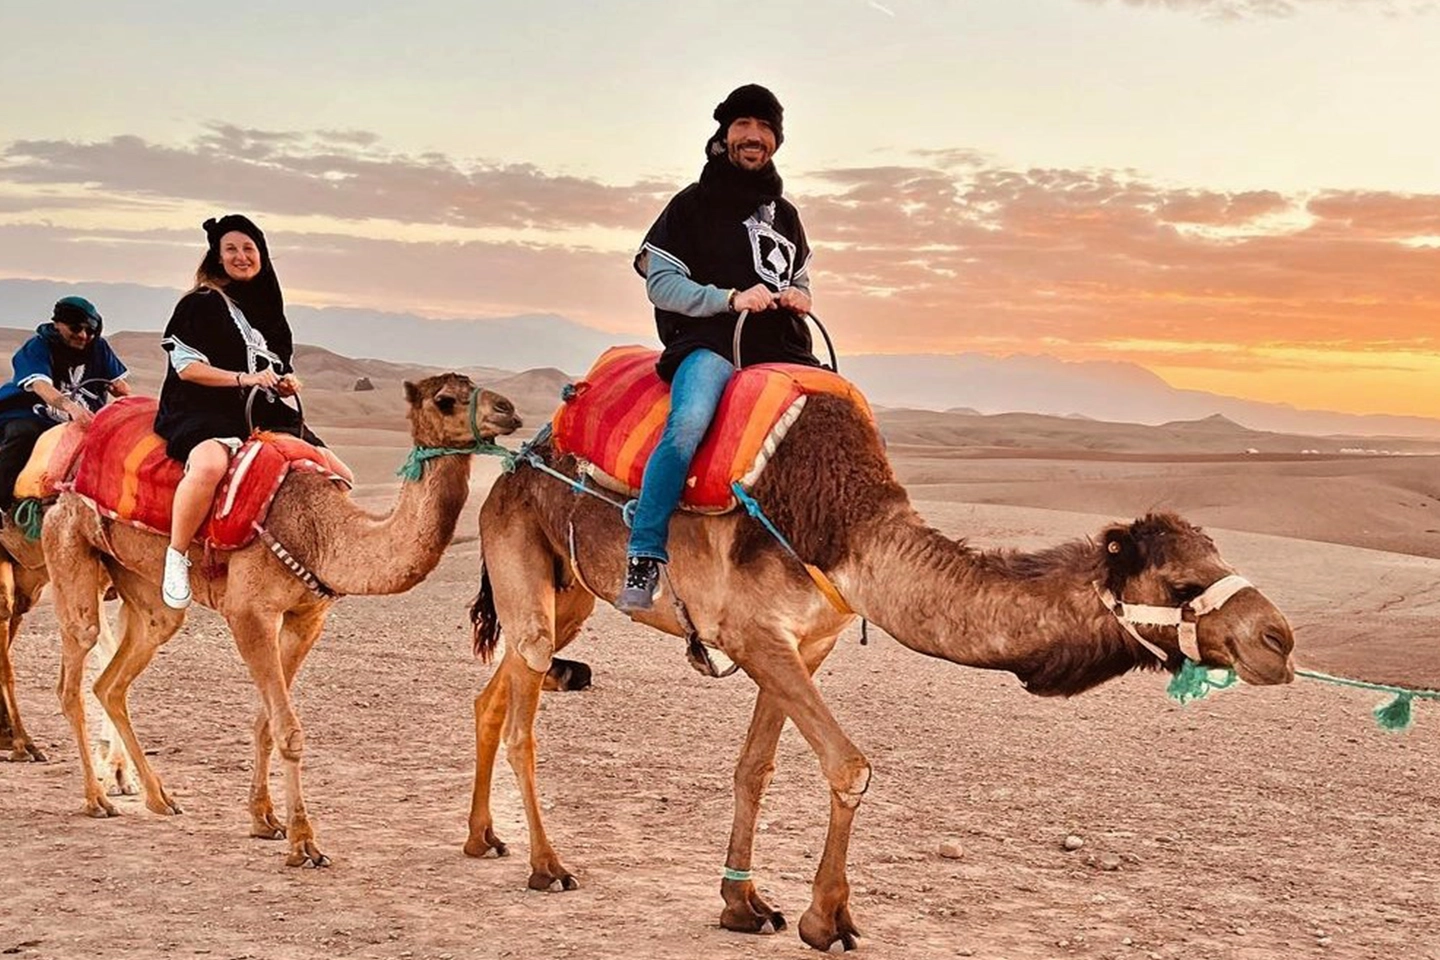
column 82, row 375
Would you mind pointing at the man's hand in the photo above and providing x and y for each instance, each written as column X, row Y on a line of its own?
column 288, row 385
column 756, row 299
column 79, row 413
column 795, row 300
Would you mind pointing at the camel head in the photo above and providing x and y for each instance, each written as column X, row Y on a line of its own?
column 1163, row 561
column 441, row 409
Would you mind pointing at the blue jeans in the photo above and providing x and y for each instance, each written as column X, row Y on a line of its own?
column 694, row 394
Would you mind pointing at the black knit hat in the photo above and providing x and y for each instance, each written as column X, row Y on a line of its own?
column 78, row 312
column 215, row 229
column 751, row 100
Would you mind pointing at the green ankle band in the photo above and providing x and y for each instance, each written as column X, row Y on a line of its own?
column 739, row 875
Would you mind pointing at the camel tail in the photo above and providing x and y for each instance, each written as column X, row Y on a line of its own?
column 485, row 625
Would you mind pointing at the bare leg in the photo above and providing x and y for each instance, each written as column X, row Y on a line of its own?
column 745, row 911
column 298, row 632
column 257, row 637
column 143, row 634
column 195, row 493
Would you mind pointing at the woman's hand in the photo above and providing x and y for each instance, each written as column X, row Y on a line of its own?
column 288, row 385
column 265, row 379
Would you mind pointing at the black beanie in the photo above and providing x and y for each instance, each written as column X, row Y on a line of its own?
column 751, row 100
column 231, row 222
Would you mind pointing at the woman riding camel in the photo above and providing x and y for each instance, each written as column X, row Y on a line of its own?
column 228, row 339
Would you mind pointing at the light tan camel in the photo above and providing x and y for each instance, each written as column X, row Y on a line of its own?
column 830, row 489
column 274, row 617
column 23, row 577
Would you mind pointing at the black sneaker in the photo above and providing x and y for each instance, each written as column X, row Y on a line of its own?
column 641, row 587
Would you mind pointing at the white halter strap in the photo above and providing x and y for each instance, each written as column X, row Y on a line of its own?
column 1183, row 618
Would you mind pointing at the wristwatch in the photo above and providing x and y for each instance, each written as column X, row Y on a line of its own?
column 730, row 300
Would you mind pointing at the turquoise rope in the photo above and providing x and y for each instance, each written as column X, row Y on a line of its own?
column 738, row 875
column 752, row 507
column 414, row 466
column 1194, row 682
column 29, row 517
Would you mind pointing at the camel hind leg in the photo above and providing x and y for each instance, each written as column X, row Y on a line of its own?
column 572, row 608
column 12, row 733
column 112, row 756
column 76, row 607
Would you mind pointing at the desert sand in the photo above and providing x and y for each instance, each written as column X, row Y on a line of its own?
column 1258, row 824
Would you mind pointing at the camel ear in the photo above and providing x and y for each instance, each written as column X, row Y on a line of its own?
column 412, row 393
column 1124, row 557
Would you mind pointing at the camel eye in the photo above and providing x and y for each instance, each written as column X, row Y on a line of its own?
column 445, row 404
column 1185, row 592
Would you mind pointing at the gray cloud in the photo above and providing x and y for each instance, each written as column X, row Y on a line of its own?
column 344, row 175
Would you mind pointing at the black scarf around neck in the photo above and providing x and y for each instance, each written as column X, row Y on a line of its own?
column 264, row 307
column 736, row 193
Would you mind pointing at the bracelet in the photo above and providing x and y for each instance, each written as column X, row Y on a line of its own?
column 237, row 381
column 730, row 300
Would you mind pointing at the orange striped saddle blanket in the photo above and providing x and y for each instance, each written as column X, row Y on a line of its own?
column 124, row 472
column 612, row 420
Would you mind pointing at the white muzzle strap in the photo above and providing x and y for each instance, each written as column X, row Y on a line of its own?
column 1183, row 618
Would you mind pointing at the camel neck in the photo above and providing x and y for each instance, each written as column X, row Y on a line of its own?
column 366, row 555
column 1033, row 614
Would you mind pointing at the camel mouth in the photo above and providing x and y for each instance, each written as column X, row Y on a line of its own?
column 1265, row 671
column 499, row 425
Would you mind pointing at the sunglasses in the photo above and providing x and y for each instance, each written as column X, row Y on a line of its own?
column 74, row 327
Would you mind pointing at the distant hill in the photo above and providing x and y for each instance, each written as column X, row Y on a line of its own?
column 1101, row 391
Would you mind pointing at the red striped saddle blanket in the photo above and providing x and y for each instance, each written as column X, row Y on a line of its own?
column 123, row 471
column 613, row 418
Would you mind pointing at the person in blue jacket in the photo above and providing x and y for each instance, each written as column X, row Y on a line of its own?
column 66, row 371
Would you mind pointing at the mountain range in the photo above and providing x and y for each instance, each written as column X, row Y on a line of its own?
column 1099, row 390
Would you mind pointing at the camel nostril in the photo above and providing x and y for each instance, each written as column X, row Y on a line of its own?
column 1277, row 641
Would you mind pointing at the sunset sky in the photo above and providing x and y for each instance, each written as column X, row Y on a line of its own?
column 1241, row 195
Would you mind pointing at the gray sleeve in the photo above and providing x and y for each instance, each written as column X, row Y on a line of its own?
column 669, row 288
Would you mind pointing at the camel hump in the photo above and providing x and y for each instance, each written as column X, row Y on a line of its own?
column 614, row 423
column 125, row 473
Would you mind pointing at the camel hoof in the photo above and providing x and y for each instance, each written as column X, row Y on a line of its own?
column 837, row 935
column 26, row 753
column 482, row 846
column 123, row 788
column 307, row 855
column 539, row 880
column 746, row 919
column 164, row 806
column 101, row 809
column 266, row 832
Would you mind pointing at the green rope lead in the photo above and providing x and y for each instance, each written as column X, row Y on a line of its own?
column 1194, row 682
column 1393, row 715
column 29, row 516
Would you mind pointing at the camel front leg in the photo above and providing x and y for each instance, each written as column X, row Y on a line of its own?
column 298, row 632
column 257, row 637
column 745, row 910
column 142, row 635
column 77, row 609
column 21, row 747
column 779, row 671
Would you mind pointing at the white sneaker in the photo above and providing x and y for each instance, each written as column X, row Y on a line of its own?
column 175, row 588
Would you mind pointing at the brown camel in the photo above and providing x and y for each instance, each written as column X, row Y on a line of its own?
column 830, row 490
column 23, row 577
column 274, row 617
